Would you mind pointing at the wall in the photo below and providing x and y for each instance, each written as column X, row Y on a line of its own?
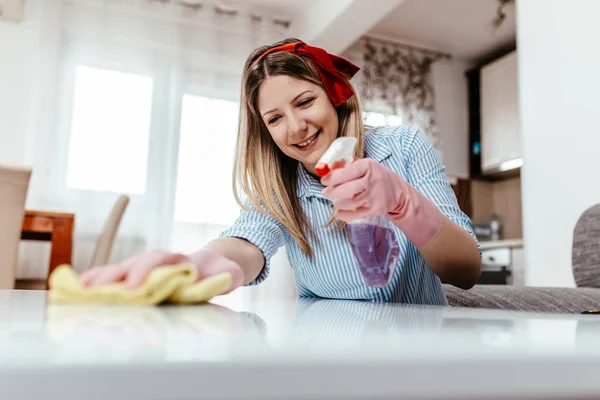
column 503, row 198
column 18, row 45
column 28, row 76
column 508, row 206
column 558, row 94
column 482, row 201
column 451, row 108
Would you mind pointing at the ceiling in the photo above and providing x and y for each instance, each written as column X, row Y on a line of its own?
column 284, row 7
column 459, row 27
column 462, row 28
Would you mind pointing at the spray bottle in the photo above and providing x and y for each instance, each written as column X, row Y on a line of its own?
column 373, row 240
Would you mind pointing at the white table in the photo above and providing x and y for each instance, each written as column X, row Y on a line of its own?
column 324, row 349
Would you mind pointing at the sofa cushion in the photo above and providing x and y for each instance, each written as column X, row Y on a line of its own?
column 550, row 300
column 585, row 253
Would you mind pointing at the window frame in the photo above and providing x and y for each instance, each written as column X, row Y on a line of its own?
column 57, row 182
column 68, row 143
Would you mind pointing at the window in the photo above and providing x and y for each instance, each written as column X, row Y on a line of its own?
column 205, row 164
column 109, row 132
column 375, row 119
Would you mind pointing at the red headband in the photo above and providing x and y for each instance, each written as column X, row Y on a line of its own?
column 328, row 66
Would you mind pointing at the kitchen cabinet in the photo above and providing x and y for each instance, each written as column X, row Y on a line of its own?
column 500, row 133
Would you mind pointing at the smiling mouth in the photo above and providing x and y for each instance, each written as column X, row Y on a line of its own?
column 309, row 141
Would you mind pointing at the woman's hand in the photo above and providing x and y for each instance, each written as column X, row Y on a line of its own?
column 364, row 188
column 135, row 270
column 367, row 188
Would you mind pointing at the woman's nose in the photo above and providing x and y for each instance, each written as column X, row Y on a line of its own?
column 296, row 124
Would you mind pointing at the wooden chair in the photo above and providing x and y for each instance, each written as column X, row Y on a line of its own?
column 105, row 242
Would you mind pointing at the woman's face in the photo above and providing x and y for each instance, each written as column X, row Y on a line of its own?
column 300, row 118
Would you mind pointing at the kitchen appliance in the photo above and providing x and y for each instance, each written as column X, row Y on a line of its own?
column 496, row 268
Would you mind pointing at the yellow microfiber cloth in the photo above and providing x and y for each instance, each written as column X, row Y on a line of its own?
column 170, row 283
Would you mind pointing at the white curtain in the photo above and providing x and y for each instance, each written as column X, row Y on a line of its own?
column 141, row 97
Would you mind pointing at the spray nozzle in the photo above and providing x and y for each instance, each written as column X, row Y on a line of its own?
column 339, row 153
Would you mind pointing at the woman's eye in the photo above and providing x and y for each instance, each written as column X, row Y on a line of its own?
column 305, row 102
column 273, row 120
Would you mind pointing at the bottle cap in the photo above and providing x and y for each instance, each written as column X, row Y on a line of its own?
column 339, row 153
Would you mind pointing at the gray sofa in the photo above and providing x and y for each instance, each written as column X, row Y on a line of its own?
column 586, row 270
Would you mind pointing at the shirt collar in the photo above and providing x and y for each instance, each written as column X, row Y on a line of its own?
column 375, row 147
column 308, row 185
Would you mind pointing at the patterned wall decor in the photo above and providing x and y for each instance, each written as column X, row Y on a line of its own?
column 395, row 80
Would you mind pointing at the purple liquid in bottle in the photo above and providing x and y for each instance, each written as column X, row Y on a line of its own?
column 376, row 249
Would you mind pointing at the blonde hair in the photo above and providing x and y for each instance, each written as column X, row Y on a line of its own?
column 263, row 174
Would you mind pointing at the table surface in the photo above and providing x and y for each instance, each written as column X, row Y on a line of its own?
column 319, row 349
column 48, row 214
column 495, row 244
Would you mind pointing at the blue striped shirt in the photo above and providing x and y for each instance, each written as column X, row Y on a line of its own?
column 333, row 272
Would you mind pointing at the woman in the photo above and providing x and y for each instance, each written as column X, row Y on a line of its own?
column 296, row 100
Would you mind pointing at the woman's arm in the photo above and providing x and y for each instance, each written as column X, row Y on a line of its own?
column 453, row 255
column 249, row 257
column 244, row 261
column 241, row 259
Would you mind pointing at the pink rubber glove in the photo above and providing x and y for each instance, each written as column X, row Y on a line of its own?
column 366, row 188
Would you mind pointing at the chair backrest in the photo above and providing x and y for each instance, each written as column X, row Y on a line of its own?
column 106, row 240
column 585, row 253
column 14, row 184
